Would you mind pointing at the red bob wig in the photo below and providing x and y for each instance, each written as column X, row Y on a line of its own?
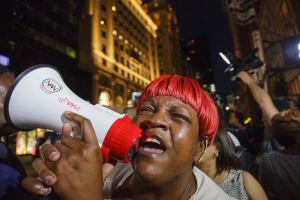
column 188, row 91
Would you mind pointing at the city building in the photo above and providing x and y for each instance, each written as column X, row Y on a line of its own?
column 42, row 32
column 196, row 55
column 168, row 43
column 280, row 33
column 118, row 46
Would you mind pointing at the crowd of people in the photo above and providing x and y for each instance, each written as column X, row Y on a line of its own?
column 193, row 150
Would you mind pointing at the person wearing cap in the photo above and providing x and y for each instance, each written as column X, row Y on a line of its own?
column 179, row 120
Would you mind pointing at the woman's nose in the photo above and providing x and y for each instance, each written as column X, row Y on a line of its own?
column 157, row 120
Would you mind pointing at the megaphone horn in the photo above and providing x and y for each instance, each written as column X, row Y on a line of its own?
column 39, row 97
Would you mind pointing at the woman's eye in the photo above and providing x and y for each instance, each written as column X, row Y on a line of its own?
column 143, row 109
column 180, row 117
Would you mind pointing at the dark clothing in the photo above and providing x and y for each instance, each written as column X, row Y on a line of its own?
column 11, row 175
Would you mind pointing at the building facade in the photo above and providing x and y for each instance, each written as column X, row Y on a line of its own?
column 280, row 33
column 168, row 42
column 118, row 45
column 272, row 27
column 44, row 32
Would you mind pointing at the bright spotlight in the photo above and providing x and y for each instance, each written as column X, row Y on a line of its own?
column 224, row 58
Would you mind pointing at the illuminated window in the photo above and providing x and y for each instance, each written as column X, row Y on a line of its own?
column 104, row 98
column 26, row 141
column 119, row 103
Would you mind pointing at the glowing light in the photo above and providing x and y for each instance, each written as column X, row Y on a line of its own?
column 126, row 41
column 113, row 8
column 247, row 120
column 299, row 50
column 115, row 32
column 104, row 98
column 120, row 37
column 224, row 58
column 4, row 60
column 102, row 22
column 226, row 108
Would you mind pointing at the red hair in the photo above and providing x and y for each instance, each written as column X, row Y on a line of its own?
column 188, row 91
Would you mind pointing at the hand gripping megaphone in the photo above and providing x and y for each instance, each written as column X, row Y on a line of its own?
column 39, row 97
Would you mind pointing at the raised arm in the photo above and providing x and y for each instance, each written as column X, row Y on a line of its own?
column 261, row 97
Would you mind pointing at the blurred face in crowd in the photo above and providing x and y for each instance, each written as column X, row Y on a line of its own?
column 172, row 140
column 6, row 80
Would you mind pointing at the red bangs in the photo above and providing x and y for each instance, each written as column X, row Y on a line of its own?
column 188, row 91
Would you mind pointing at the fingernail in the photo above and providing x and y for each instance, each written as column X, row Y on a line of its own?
column 49, row 180
column 40, row 189
column 45, row 191
column 38, row 186
column 54, row 156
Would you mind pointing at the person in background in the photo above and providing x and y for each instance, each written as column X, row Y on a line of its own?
column 267, row 108
column 178, row 120
column 279, row 170
column 11, row 169
column 234, row 125
column 222, row 166
column 260, row 96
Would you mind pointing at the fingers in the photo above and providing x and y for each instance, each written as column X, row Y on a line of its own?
column 47, row 176
column 87, row 130
column 49, row 152
column 34, row 186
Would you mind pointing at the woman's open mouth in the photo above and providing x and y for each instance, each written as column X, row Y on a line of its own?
column 151, row 145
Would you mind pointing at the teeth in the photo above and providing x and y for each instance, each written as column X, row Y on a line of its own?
column 154, row 140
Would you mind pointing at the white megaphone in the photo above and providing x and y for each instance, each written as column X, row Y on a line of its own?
column 39, row 97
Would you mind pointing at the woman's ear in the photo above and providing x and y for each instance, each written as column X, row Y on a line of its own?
column 201, row 149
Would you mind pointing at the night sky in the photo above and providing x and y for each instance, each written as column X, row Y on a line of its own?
column 199, row 17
